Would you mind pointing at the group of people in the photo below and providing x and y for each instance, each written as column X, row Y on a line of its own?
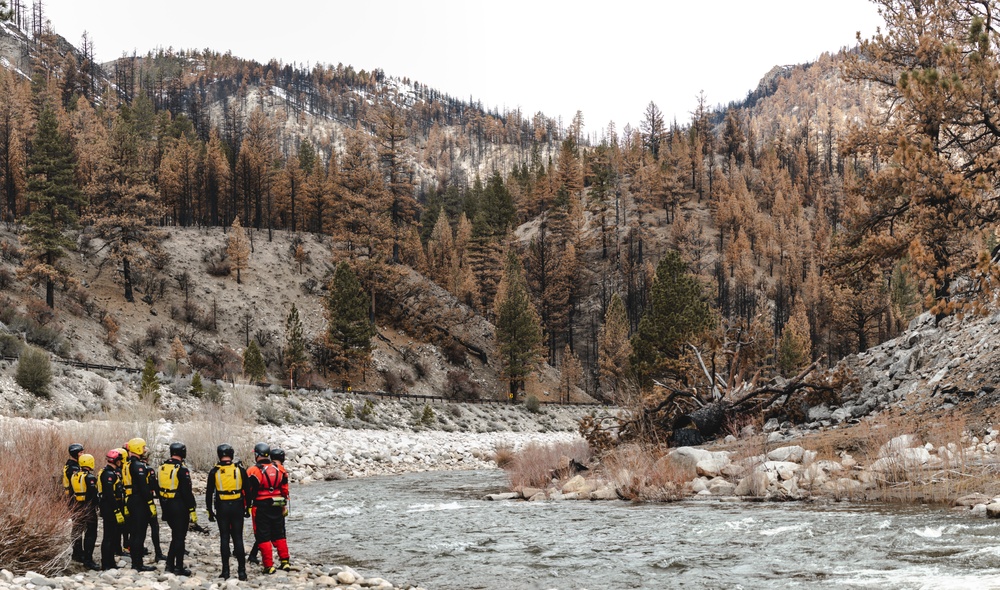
column 123, row 495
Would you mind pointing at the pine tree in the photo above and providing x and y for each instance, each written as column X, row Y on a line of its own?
column 614, row 348
column 238, row 248
column 349, row 331
column 518, row 332
column 678, row 312
column 54, row 199
column 569, row 375
column 177, row 352
column 253, row 363
column 149, row 388
column 197, row 388
column 296, row 360
column 795, row 346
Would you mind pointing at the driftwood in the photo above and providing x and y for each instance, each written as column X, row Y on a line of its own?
column 685, row 418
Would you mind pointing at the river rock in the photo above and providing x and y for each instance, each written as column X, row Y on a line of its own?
column 577, row 483
column 528, row 492
column 903, row 441
column 970, row 500
column 754, row 484
column 993, row 510
column 606, row 492
column 790, row 453
column 783, row 470
column 721, row 487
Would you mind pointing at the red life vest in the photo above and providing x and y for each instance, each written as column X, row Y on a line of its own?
column 270, row 478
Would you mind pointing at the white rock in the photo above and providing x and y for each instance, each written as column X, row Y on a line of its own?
column 790, row 453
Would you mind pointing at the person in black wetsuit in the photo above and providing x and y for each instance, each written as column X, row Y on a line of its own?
column 225, row 499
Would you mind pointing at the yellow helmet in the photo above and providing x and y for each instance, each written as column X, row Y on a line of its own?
column 86, row 461
column 136, row 447
column 122, row 453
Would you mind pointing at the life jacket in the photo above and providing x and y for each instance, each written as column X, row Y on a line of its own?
column 270, row 481
column 78, row 483
column 127, row 477
column 69, row 469
column 228, row 481
column 168, row 480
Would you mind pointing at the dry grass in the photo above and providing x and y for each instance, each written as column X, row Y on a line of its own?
column 644, row 474
column 216, row 425
column 35, row 512
column 534, row 465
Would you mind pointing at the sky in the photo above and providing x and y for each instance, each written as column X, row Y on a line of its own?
column 608, row 60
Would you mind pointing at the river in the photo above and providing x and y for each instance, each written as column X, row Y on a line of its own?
column 433, row 529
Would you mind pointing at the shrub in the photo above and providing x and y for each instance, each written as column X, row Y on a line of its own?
column 34, row 371
column 427, row 417
column 367, row 411
column 217, row 262
column 532, row 404
column 454, row 352
column 535, row 464
column 35, row 518
column 395, row 382
column 154, row 334
column 459, row 386
column 6, row 279
column 348, row 411
column 10, row 345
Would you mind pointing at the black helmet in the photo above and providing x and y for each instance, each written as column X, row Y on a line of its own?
column 178, row 449
column 278, row 455
column 75, row 449
column 225, row 450
column 261, row 450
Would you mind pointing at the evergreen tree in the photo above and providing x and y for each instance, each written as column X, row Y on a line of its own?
column 253, row 363
column 54, row 199
column 349, row 331
column 613, row 348
column 677, row 313
column 197, row 388
column 518, row 332
column 150, row 384
column 296, row 361
column 795, row 347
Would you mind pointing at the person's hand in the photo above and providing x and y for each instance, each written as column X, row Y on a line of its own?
column 152, row 510
column 246, row 513
column 119, row 517
column 211, row 517
column 284, row 511
column 194, row 517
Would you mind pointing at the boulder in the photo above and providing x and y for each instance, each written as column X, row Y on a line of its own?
column 754, row 485
column 993, row 510
column 970, row 500
column 792, row 453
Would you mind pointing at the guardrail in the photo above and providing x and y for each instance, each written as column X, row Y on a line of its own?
column 358, row 392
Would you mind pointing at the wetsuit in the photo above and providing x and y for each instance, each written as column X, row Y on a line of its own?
column 140, row 508
column 225, row 500
column 112, row 503
column 269, row 491
column 177, row 502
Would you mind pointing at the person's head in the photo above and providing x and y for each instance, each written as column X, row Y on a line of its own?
column 261, row 451
column 278, row 455
column 74, row 450
column 122, row 454
column 225, row 452
column 114, row 457
column 86, row 461
column 178, row 450
column 136, row 447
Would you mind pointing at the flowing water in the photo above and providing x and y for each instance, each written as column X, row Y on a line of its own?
column 433, row 529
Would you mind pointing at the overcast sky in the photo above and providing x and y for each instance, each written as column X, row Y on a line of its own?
column 608, row 59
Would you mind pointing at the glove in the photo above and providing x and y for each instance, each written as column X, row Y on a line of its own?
column 119, row 517
column 152, row 509
column 211, row 517
column 125, row 509
column 194, row 517
column 246, row 513
column 284, row 511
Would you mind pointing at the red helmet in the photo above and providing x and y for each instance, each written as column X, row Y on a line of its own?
column 113, row 455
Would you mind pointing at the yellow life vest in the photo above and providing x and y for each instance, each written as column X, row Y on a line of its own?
column 228, row 482
column 168, row 480
column 127, row 478
column 79, row 485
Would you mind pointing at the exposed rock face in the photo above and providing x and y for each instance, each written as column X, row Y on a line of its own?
column 929, row 367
